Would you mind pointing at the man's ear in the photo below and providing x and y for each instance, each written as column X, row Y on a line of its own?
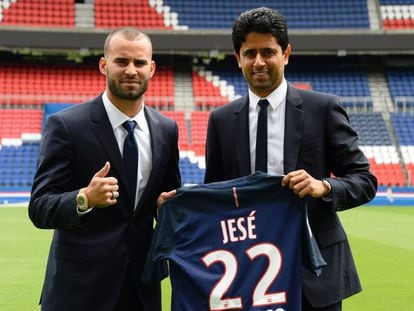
column 237, row 57
column 153, row 66
column 102, row 66
column 286, row 54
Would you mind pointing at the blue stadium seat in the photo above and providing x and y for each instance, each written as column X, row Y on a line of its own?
column 17, row 166
column 371, row 128
column 401, row 85
column 404, row 127
column 191, row 173
column 320, row 14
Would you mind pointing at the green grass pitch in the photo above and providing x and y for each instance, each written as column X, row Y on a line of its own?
column 382, row 240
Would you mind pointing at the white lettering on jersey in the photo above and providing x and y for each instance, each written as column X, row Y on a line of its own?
column 239, row 229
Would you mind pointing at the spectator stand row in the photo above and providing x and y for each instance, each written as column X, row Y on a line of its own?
column 203, row 14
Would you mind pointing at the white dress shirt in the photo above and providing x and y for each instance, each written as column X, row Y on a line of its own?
column 142, row 136
column 275, row 128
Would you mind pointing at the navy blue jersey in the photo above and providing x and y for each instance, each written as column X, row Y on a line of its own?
column 232, row 245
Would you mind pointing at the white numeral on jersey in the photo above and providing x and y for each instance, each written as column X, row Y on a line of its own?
column 260, row 298
column 229, row 261
column 230, row 269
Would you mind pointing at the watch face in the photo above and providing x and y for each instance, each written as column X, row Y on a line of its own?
column 82, row 201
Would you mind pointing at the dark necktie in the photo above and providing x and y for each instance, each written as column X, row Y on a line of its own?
column 130, row 157
column 261, row 138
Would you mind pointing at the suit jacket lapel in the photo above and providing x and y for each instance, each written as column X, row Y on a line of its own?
column 241, row 135
column 105, row 134
column 156, row 147
column 293, row 129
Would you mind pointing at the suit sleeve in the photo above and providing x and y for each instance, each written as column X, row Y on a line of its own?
column 214, row 164
column 53, row 204
column 353, row 184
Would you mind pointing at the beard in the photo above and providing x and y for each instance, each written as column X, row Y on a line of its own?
column 131, row 94
column 262, row 85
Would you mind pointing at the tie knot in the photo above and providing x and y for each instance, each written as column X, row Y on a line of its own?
column 263, row 103
column 129, row 126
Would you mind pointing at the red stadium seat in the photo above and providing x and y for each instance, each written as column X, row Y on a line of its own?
column 178, row 116
column 35, row 84
column 15, row 122
column 110, row 14
column 40, row 13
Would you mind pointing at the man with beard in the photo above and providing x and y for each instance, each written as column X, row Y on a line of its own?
column 102, row 167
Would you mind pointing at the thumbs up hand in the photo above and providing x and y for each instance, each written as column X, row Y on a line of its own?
column 102, row 191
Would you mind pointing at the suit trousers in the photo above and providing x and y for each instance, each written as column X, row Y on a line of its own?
column 307, row 307
column 128, row 298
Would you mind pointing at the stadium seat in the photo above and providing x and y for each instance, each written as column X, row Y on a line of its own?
column 397, row 14
column 404, row 127
column 15, row 122
column 178, row 116
column 112, row 14
column 42, row 13
column 199, row 120
column 32, row 84
column 207, row 92
column 301, row 15
column 371, row 128
column 17, row 166
column 401, row 85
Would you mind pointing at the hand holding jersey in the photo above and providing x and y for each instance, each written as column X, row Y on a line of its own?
column 303, row 184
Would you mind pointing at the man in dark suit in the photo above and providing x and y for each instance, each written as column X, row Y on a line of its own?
column 309, row 140
column 82, row 188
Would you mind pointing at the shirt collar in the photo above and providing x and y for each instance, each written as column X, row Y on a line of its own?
column 276, row 98
column 117, row 117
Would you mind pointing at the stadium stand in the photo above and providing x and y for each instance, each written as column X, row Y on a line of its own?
column 58, row 82
column 33, row 83
column 199, row 121
column 207, row 90
column 301, row 15
column 376, row 90
column 39, row 13
column 180, row 14
column 112, row 14
column 18, row 165
column 403, row 124
column 349, row 82
column 178, row 116
column 371, row 128
column 401, row 84
column 397, row 14
column 16, row 122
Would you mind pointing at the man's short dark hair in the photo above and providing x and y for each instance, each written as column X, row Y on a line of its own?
column 128, row 33
column 260, row 20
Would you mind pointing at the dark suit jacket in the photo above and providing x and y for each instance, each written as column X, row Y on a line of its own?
column 89, row 254
column 319, row 139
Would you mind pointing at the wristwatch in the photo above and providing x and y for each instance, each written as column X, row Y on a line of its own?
column 82, row 201
column 328, row 186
